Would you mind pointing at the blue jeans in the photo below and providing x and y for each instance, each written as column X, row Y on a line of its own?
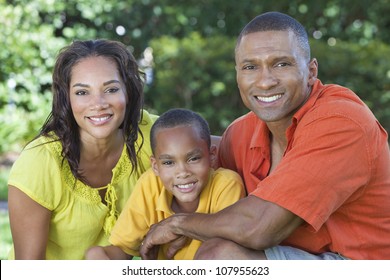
column 291, row 253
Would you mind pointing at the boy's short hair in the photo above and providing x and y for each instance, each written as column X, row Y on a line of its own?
column 180, row 117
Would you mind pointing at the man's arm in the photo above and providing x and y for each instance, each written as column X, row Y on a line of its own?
column 251, row 222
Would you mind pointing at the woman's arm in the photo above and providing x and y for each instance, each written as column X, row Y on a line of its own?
column 30, row 224
column 110, row 252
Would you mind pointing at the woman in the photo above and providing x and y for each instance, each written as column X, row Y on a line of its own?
column 70, row 183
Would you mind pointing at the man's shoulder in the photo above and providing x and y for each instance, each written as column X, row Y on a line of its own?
column 332, row 100
column 249, row 120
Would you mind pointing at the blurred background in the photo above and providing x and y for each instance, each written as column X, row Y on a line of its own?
column 186, row 48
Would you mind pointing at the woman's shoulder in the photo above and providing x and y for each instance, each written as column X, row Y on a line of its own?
column 44, row 146
column 147, row 119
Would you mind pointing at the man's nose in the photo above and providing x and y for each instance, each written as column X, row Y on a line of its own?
column 266, row 79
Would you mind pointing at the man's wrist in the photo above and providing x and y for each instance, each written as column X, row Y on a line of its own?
column 179, row 222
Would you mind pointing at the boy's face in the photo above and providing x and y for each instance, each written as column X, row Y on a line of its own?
column 182, row 161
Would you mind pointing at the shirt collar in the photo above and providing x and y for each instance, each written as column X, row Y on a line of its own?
column 314, row 94
column 260, row 137
column 164, row 201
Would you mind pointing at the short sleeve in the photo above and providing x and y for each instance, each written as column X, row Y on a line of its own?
column 137, row 216
column 227, row 188
column 37, row 173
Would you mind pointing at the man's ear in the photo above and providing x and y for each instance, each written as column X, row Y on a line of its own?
column 213, row 156
column 313, row 71
column 153, row 163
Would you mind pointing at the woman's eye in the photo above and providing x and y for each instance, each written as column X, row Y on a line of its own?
column 112, row 90
column 81, row 92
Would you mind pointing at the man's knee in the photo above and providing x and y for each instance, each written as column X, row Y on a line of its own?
column 213, row 249
column 222, row 249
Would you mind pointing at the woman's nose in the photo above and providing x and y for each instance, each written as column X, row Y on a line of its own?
column 99, row 103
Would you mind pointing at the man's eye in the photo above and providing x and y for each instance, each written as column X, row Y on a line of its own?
column 282, row 64
column 248, row 67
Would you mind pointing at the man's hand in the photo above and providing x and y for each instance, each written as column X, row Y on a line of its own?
column 162, row 233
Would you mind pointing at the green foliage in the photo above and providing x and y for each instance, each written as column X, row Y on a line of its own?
column 192, row 42
column 5, row 237
column 27, row 57
column 4, row 172
column 196, row 73
column 362, row 68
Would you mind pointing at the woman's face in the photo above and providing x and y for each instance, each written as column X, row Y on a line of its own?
column 97, row 97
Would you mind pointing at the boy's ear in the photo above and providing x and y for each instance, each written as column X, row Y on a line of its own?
column 213, row 156
column 153, row 163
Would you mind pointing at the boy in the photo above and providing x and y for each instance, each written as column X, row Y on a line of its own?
column 181, row 180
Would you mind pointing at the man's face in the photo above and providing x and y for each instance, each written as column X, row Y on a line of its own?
column 273, row 75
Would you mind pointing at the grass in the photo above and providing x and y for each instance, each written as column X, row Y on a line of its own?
column 5, row 231
column 3, row 183
column 5, row 236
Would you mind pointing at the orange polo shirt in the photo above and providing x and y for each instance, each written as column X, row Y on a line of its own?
column 335, row 173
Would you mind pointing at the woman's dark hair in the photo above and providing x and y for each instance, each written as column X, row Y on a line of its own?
column 61, row 120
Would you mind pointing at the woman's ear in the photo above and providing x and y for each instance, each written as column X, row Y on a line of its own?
column 154, row 165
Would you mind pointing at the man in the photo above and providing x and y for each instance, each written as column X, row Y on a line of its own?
column 315, row 162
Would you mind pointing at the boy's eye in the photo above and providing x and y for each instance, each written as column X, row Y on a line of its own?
column 168, row 162
column 192, row 159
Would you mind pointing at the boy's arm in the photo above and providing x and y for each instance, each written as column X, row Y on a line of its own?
column 110, row 252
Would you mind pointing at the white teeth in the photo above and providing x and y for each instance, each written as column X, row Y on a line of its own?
column 269, row 98
column 100, row 119
column 186, row 186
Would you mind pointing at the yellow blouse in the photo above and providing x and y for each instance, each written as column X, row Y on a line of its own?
column 79, row 218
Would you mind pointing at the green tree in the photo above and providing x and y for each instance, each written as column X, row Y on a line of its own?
column 192, row 43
